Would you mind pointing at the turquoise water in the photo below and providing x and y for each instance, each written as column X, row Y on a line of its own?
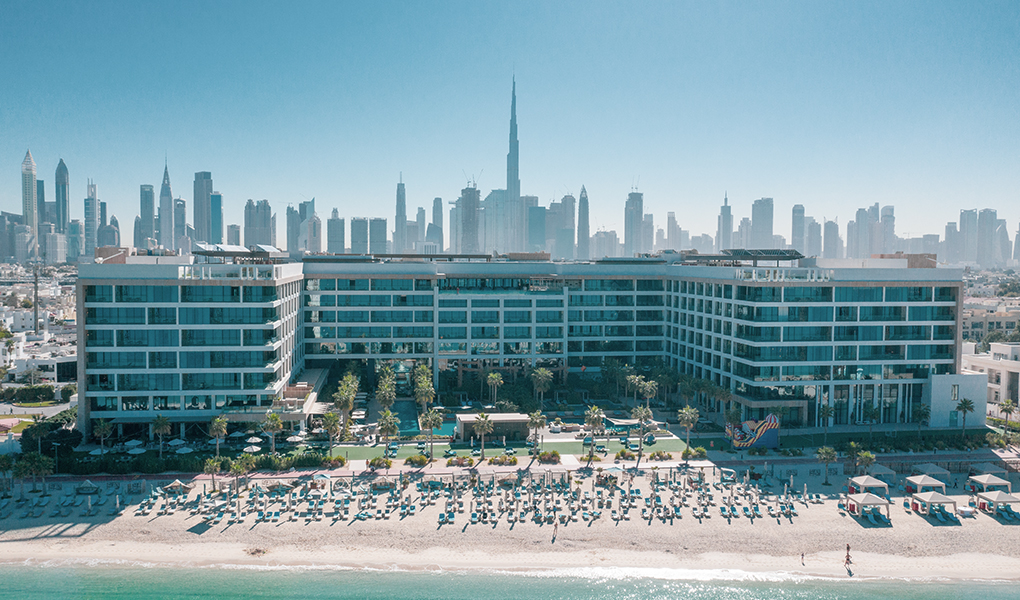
column 80, row 581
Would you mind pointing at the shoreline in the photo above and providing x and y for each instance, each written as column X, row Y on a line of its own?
column 605, row 563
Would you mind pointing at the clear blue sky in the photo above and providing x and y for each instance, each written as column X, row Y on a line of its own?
column 831, row 105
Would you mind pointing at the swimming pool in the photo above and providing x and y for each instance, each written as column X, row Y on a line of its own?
column 407, row 412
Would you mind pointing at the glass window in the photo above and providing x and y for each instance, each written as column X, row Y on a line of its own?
column 945, row 294
column 619, row 300
column 858, row 294
column 808, row 294
column 99, row 293
column 449, row 316
column 886, row 313
column 452, row 333
column 146, row 293
column 452, row 303
column 609, row 285
column 517, row 316
column 162, row 316
column 115, row 316
column 759, row 294
column 586, row 300
column 908, row 294
column 210, row 337
column 807, row 334
column 517, row 303
column 516, row 333
column 95, row 338
column 649, row 285
column 412, row 332
column 392, row 316
column 162, row 360
column 211, row 293
column 846, row 313
column 485, row 333
column 548, row 332
column 548, row 302
column 423, row 285
column 115, row 360
column 485, row 316
column 549, row 316
column 392, row 285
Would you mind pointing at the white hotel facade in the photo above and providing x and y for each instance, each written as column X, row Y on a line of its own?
column 192, row 340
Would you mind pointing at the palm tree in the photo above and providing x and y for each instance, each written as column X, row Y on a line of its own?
column 871, row 414
column 161, row 426
column 494, row 380
column 541, row 379
column 272, row 426
column 922, row 413
column 649, row 389
column 1007, row 407
column 610, row 371
column 212, row 466
column 685, row 387
column 239, row 468
column 634, row 382
column 218, row 431
column 386, row 393
column 22, row 470
column 687, row 417
column 6, row 465
column 102, row 430
column 432, row 420
column 388, row 423
column 424, row 391
column 623, row 376
column 346, row 391
column 331, row 423
column 825, row 413
column 483, row 426
column 964, row 406
column 642, row 414
column 594, row 419
column 864, row 460
column 536, row 421
column 826, row 455
column 38, row 466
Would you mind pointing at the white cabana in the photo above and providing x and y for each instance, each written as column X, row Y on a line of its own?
column 857, row 502
column 881, row 472
column 988, row 469
column 991, row 501
column 984, row 482
column 923, row 502
column 930, row 469
column 917, row 483
column 866, row 483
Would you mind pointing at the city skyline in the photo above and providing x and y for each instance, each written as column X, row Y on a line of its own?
column 927, row 135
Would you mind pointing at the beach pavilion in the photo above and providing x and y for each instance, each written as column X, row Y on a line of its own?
column 856, row 503
column 987, row 483
column 988, row 469
column 930, row 469
column 881, row 472
column 994, row 501
column 924, row 501
column 867, row 484
column 917, row 483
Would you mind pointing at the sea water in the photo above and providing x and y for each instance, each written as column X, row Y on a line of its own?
column 79, row 581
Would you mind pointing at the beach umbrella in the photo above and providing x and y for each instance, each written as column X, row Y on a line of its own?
column 237, row 434
column 132, row 443
column 184, row 450
column 252, row 449
column 253, row 439
column 136, row 451
column 176, row 442
column 99, row 452
column 295, row 438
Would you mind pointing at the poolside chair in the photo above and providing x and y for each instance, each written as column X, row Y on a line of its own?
column 938, row 514
column 474, row 518
column 276, row 516
column 757, row 512
column 871, row 517
column 725, row 513
column 747, row 513
column 793, row 511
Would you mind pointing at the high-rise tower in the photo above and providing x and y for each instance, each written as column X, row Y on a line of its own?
column 166, row 213
column 91, row 222
column 724, row 226
column 147, row 215
column 583, row 233
column 400, row 242
column 61, row 193
column 797, row 228
column 514, row 209
column 201, row 207
column 29, row 203
column 761, row 224
column 633, row 217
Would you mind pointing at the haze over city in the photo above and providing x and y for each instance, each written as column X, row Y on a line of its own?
column 832, row 107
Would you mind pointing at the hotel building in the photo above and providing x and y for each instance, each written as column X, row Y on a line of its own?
column 189, row 339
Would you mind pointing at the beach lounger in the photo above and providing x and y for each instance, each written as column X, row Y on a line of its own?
column 747, row 513
column 793, row 511
column 442, row 518
column 474, row 518
column 725, row 513
column 757, row 512
column 871, row 517
column 276, row 516
column 938, row 515
column 451, row 517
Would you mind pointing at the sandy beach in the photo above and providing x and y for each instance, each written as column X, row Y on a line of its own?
column 914, row 547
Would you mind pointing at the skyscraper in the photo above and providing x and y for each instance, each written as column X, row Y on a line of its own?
column 40, row 202
column 797, row 229
column 216, row 218
column 300, row 227
column 335, row 242
column 75, row 240
column 259, row 224
column 166, row 214
column 61, row 189
column 420, row 221
column 761, row 224
column 633, row 217
column 30, row 204
column 888, row 229
column 724, row 226
column 987, row 222
column 812, row 237
column 969, row 235
column 377, row 236
column 513, row 208
column 201, row 206
column 91, row 222
column 359, row 235
column 583, row 233
column 831, row 242
column 467, row 207
column 180, row 219
column 147, row 215
column 434, row 233
column 233, row 235
column 400, row 241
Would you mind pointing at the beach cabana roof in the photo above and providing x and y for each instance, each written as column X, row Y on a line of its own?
column 930, row 469
column 988, row 479
column 867, row 499
column 934, row 498
column 866, row 481
column 925, row 481
column 988, row 469
column 999, row 497
column 877, row 470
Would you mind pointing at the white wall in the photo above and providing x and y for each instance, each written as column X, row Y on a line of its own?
column 971, row 386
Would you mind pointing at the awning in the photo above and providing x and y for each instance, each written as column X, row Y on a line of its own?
column 866, row 481
column 988, row 469
column 998, row 497
column 934, row 498
column 919, row 481
column 867, row 499
column 930, row 469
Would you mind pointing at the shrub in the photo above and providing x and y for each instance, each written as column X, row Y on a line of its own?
column 625, row 454
column 380, row 462
column 503, row 461
column 660, row 455
column 549, row 457
column 418, row 460
column 460, row 461
column 700, row 452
